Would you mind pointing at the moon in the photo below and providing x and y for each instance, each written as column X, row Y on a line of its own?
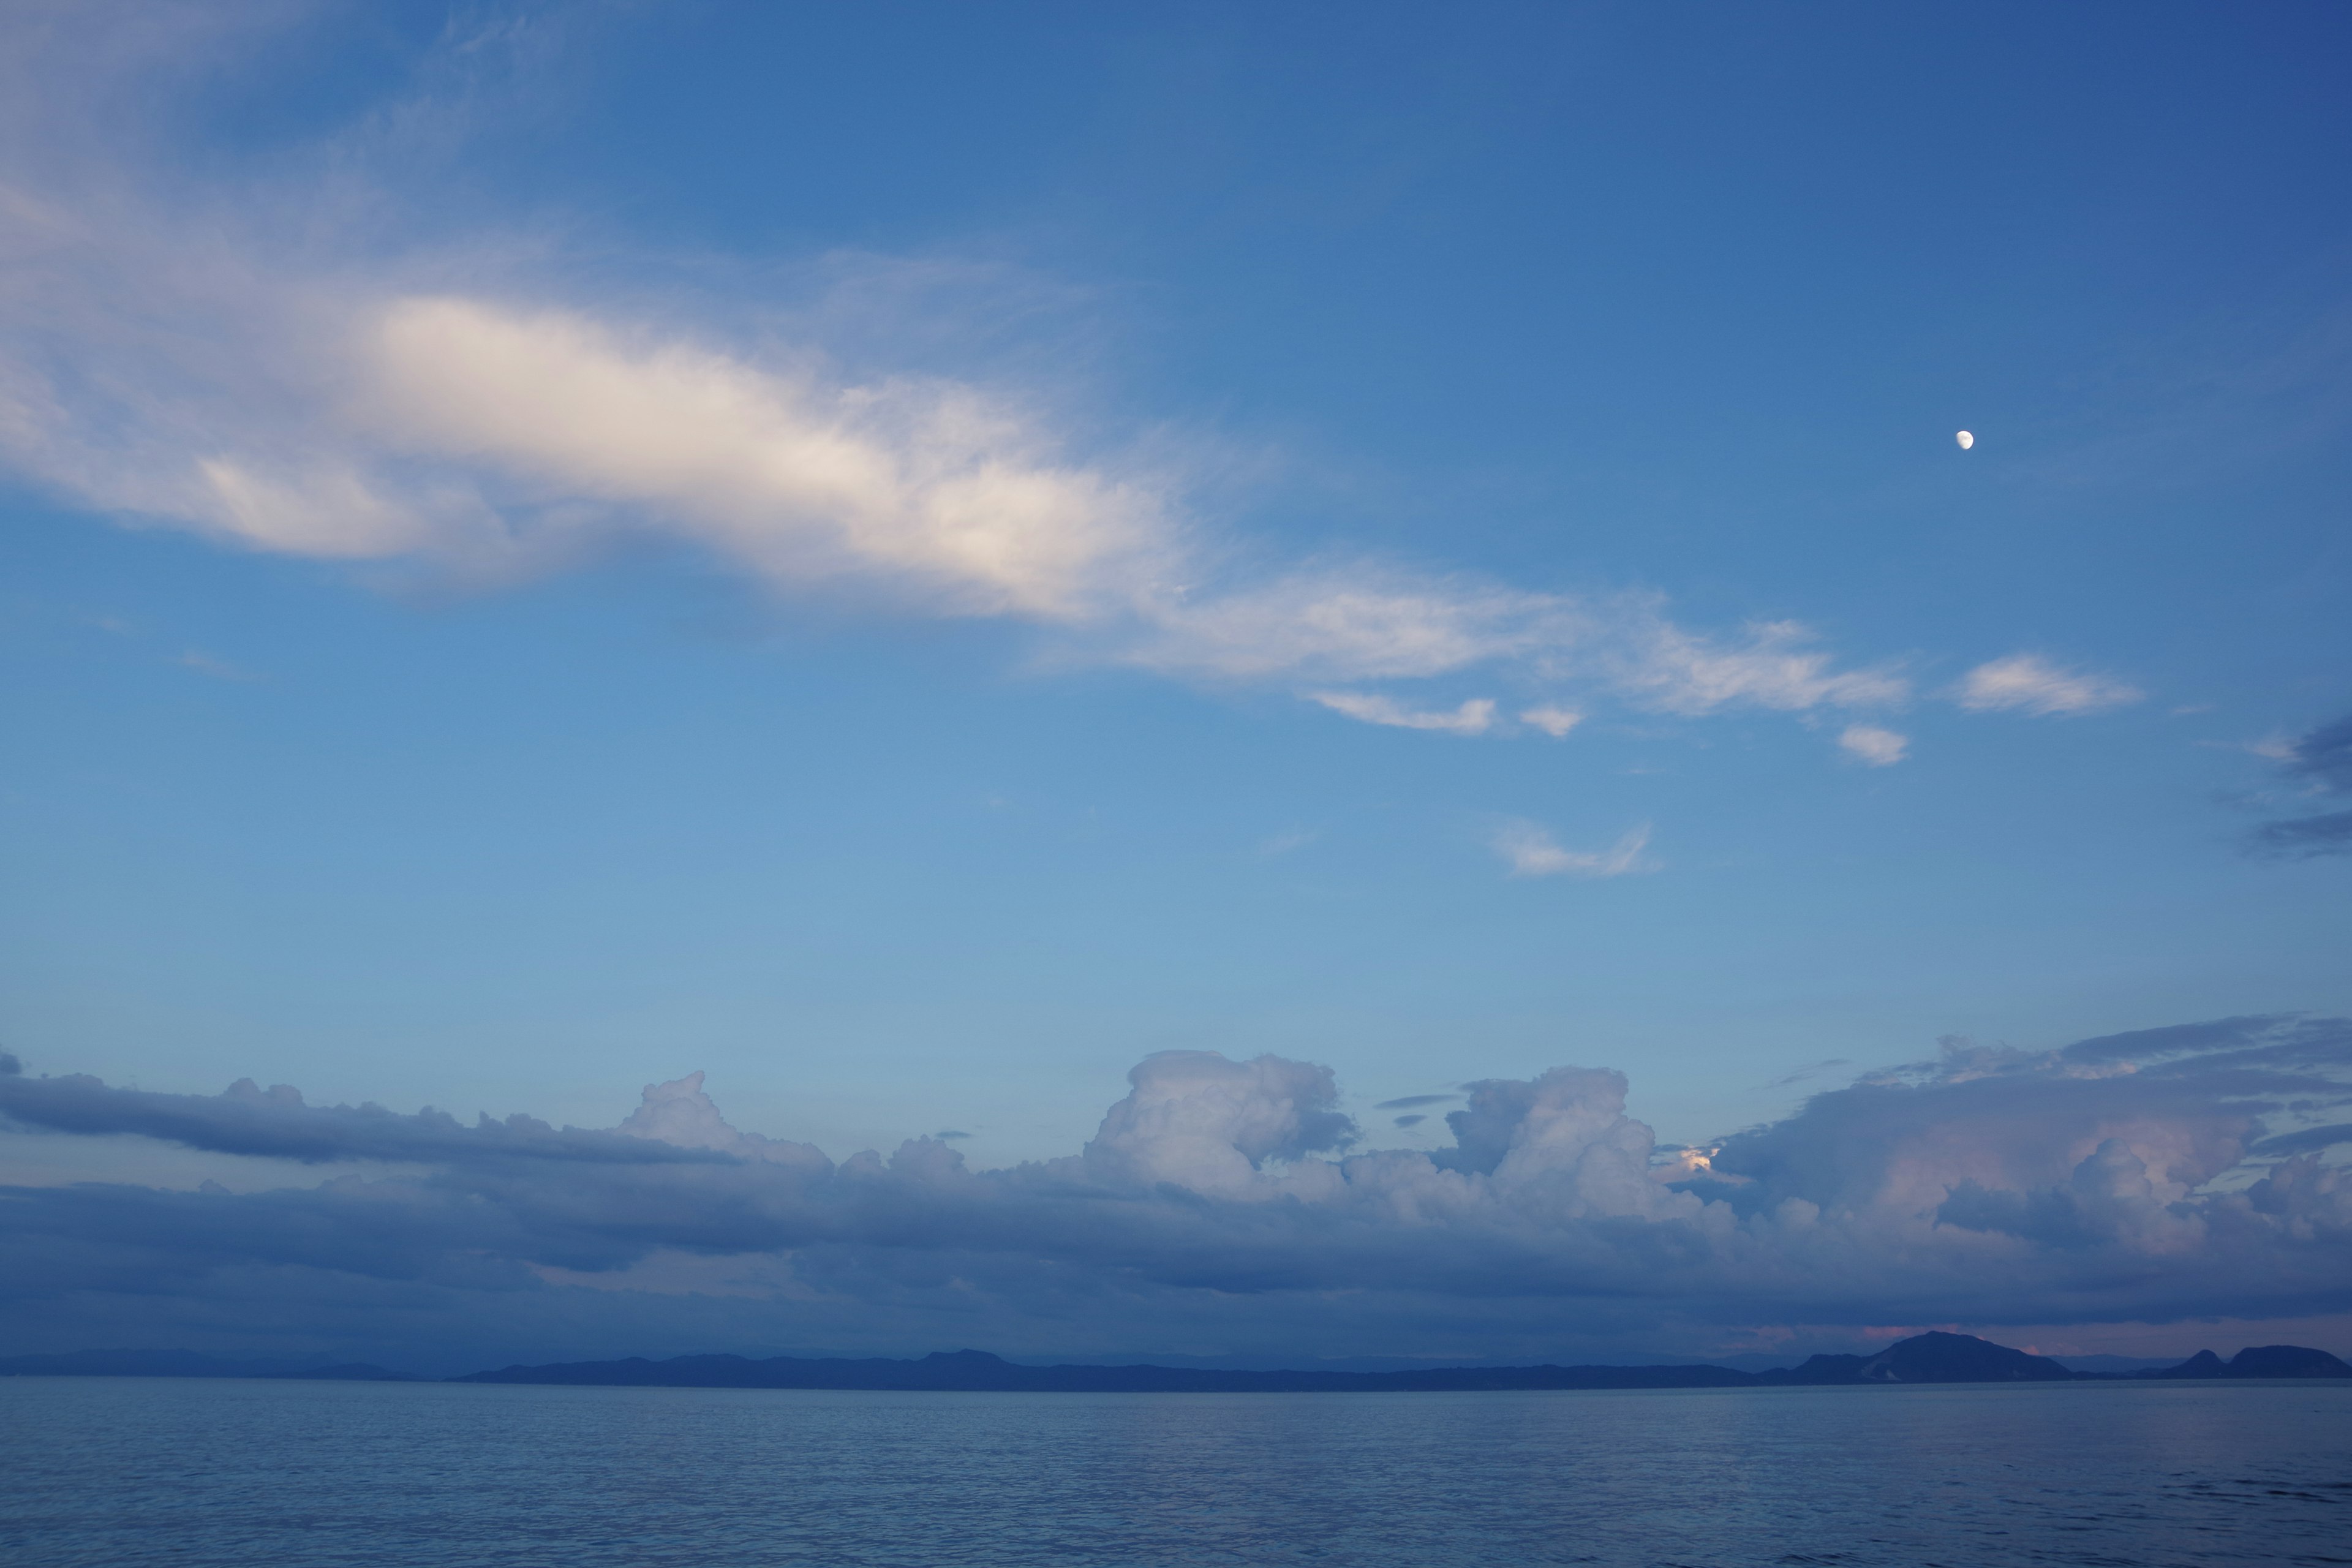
column 1965, row 440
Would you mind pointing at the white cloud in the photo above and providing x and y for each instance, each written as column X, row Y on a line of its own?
column 1531, row 851
column 493, row 441
column 1276, row 845
column 2029, row 684
column 1473, row 717
column 294, row 363
column 1877, row 747
column 1682, row 672
column 1362, row 621
column 931, row 485
column 213, row 665
column 1357, row 621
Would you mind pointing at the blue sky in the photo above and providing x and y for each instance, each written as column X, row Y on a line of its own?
column 907, row 557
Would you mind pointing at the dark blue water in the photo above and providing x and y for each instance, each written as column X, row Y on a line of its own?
column 127, row 1472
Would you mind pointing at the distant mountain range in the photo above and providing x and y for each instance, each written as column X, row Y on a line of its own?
column 1923, row 1358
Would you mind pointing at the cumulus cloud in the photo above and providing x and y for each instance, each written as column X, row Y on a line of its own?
column 1211, row 1125
column 1531, row 851
column 2027, row 683
column 1553, row 721
column 1877, row 747
column 2321, row 763
column 2149, row 1176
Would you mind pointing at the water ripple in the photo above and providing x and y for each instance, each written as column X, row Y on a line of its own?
column 197, row 1474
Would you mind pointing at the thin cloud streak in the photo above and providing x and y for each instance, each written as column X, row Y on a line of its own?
column 1473, row 717
column 2027, row 683
column 1530, row 850
column 213, row 666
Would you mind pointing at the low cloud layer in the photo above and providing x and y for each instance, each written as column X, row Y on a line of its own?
column 2146, row 1177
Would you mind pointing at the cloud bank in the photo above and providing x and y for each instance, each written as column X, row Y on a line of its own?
column 2146, row 1177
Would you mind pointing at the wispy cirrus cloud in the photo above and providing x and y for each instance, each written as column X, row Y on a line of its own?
column 213, row 665
column 1276, row 844
column 2027, row 683
column 1531, row 851
column 1772, row 665
column 1475, row 717
column 295, row 366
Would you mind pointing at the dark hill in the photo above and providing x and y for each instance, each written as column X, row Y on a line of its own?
column 1923, row 1358
column 1929, row 1358
column 1957, row 1358
column 2257, row 1361
column 2286, row 1361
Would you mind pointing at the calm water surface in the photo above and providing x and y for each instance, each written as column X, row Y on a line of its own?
column 129, row 1471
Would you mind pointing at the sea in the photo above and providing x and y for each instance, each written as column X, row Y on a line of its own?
column 195, row 1472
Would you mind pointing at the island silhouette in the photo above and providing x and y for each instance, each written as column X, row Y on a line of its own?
column 1935, row 1357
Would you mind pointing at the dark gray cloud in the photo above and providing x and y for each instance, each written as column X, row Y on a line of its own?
column 275, row 1124
column 2330, row 833
column 2325, row 756
column 2321, row 762
column 2168, row 1173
